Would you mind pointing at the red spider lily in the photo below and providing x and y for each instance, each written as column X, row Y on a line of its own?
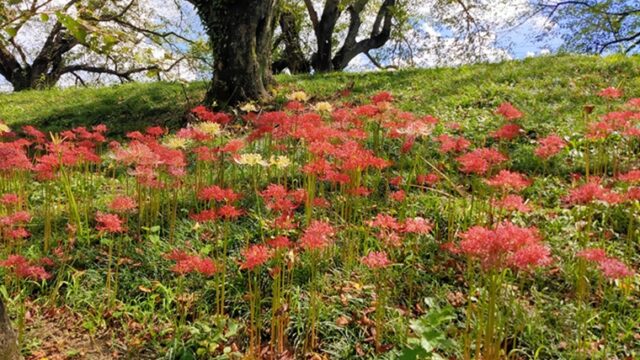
column 508, row 111
column 13, row 157
column 417, row 225
column 376, row 260
column 204, row 216
column 385, row 222
column 336, row 177
column 229, row 212
column 452, row 144
column 507, row 132
column 217, row 193
column 285, row 222
column 427, row 179
column 110, row 223
column 610, row 267
column 318, row 235
column 155, row 131
column 280, row 242
column 278, row 199
column 592, row 254
column 38, row 136
column 530, row 256
column 512, row 203
column 205, row 114
column 254, row 256
column 590, row 192
column 396, row 181
column 549, row 146
column 186, row 263
column 634, row 103
column 398, row 196
column 360, row 191
column 454, row 126
column 176, row 255
column 321, row 203
column 317, row 167
column 408, row 144
column 632, row 132
column 507, row 245
column 610, row 93
column 632, row 176
column 23, row 269
column 193, row 134
column 9, row 199
column 479, row 161
column 633, row 194
column 205, row 154
column 508, row 180
column 17, row 233
column 294, row 106
column 614, row 269
column 123, row 204
column 382, row 96
column 17, row 218
column 366, row 111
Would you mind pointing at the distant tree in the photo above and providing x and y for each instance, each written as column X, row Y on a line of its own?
column 43, row 40
column 595, row 26
column 342, row 31
column 391, row 34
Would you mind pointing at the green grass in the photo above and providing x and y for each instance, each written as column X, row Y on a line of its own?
column 542, row 87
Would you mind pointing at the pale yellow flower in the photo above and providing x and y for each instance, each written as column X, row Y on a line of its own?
column 249, row 107
column 298, row 96
column 417, row 128
column 251, row 159
column 209, row 128
column 280, row 161
column 4, row 128
column 323, row 107
column 174, row 142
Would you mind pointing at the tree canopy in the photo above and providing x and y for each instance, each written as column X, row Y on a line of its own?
column 44, row 40
column 595, row 26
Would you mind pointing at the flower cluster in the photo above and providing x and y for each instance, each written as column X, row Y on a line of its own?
column 610, row 267
column 24, row 269
column 506, row 245
column 188, row 263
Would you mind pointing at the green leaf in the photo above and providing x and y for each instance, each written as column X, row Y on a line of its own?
column 11, row 31
column 44, row 17
column 76, row 29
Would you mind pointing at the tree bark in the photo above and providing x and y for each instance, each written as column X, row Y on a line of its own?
column 8, row 340
column 293, row 58
column 46, row 69
column 380, row 33
column 241, row 33
column 321, row 59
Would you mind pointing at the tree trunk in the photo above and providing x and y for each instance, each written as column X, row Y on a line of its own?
column 321, row 59
column 240, row 32
column 32, row 80
column 293, row 58
column 8, row 341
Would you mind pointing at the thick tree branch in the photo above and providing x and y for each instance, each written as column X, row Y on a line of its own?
column 380, row 34
column 633, row 37
column 103, row 70
column 313, row 15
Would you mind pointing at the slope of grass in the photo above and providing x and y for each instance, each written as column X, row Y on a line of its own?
column 123, row 108
column 552, row 90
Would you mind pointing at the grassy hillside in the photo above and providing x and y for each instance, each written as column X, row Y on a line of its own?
column 542, row 87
